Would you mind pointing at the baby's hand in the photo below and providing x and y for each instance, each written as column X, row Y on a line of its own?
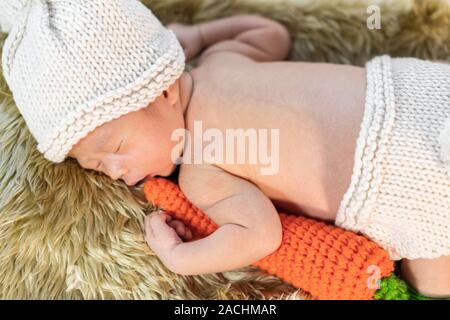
column 163, row 233
column 189, row 38
column 180, row 228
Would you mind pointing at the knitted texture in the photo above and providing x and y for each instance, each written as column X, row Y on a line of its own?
column 394, row 288
column 444, row 142
column 74, row 65
column 399, row 195
column 326, row 261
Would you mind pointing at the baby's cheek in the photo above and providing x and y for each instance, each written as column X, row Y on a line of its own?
column 155, row 153
column 146, row 160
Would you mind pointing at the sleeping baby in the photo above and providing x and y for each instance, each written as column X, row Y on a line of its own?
column 366, row 149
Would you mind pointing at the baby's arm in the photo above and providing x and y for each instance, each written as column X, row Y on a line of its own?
column 259, row 38
column 249, row 225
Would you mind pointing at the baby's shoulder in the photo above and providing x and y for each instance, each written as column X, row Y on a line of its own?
column 198, row 177
column 195, row 182
column 205, row 184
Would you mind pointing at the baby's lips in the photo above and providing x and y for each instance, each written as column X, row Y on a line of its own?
column 149, row 177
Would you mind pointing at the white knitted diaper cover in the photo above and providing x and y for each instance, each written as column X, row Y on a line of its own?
column 399, row 194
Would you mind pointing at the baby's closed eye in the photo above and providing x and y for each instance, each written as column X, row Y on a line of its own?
column 119, row 147
column 97, row 164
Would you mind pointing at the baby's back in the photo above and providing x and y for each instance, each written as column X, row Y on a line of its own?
column 303, row 120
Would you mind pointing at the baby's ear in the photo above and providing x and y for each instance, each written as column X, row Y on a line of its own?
column 172, row 93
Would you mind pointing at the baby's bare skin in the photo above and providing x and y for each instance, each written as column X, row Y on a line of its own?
column 240, row 82
column 317, row 109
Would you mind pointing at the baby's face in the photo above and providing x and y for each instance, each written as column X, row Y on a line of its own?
column 135, row 145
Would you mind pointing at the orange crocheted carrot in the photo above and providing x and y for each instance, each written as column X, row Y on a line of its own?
column 324, row 260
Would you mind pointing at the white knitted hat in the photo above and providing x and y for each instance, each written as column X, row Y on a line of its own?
column 444, row 142
column 73, row 65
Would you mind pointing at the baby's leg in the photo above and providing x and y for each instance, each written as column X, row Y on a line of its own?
column 430, row 277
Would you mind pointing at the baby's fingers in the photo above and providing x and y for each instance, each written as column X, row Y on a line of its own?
column 178, row 226
column 188, row 235
column 161, row 237
column 156, row 227
column 181, row 229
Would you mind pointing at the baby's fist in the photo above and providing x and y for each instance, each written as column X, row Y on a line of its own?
column 181, row 229
column 162, row 233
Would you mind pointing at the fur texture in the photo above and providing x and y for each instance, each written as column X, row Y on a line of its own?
column 70, row 233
